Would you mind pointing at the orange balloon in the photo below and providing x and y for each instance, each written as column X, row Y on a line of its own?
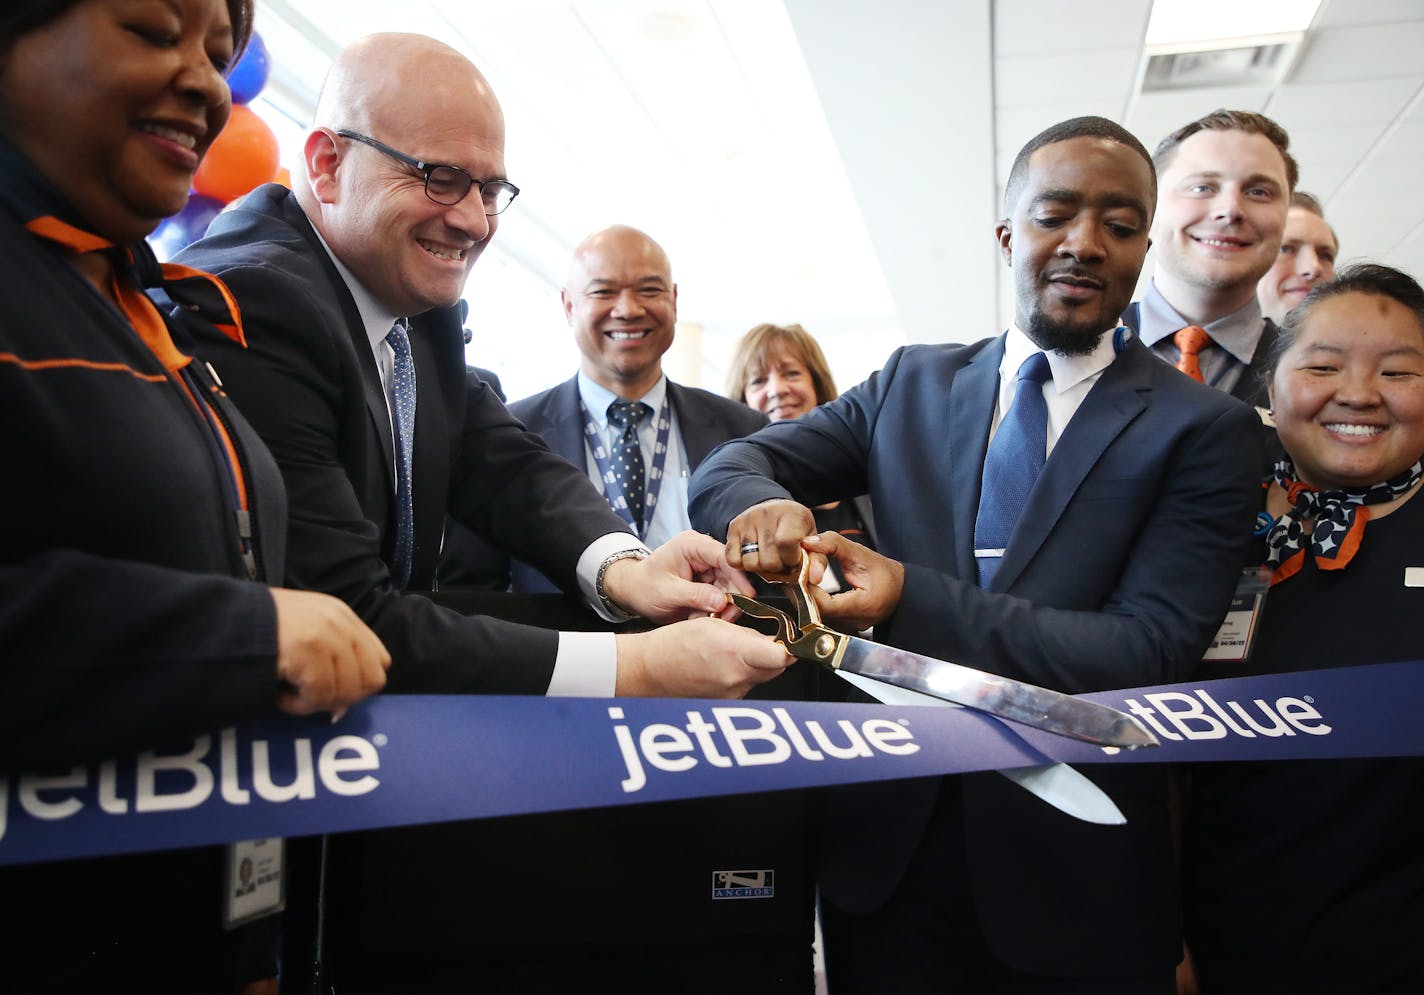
column 244, row 156
column 284, row 177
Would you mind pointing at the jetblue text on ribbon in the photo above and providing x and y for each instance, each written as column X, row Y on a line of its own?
column 402, row 760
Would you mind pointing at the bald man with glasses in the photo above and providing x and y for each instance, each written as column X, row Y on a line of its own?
column 354, row 374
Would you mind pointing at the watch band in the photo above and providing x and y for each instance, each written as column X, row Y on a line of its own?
column 623, row 554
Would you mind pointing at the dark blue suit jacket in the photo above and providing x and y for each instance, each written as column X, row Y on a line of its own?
column 704, row 420
column 1117, row 576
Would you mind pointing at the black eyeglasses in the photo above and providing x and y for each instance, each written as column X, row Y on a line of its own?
column 447, row 184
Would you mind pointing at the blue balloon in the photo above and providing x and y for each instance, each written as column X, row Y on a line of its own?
column 188, row 225
column 250, row 74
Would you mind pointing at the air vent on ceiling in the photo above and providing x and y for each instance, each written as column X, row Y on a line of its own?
column 1179, row 68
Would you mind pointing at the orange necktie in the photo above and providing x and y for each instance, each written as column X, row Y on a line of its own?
column 1190, row 341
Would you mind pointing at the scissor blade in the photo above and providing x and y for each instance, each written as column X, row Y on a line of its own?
column 1068, row 790
column 1015, row 701
column 1059, row 785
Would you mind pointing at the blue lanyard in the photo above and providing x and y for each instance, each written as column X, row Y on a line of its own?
column 611, row 488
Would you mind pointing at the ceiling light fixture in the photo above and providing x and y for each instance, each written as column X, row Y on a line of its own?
column 1197, row 44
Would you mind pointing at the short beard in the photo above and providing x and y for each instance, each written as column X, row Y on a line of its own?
column 1064, row 339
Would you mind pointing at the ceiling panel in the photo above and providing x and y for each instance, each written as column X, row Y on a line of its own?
column 1376, row 242
column 1313, row 145
column 1033, row 27
column 1344, row 12
column 1322, row 180
column 1363, row 52
column 1029, row 80
column 1343, row 104
column 1387, row 176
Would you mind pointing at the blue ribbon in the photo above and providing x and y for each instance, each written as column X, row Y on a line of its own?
column 404, row 760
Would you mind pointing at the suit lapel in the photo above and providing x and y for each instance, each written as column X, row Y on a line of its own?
column 972, row 397
column 439, row 375
column 376, row 405
column 279, row 203
column 563, row 428
column 1118, row 397
column 699, row 435
column 1249, row 387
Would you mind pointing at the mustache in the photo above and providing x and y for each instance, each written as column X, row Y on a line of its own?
column 1074, row 274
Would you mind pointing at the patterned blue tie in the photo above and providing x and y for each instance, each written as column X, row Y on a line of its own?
column 628, row 456
column 403, row 400
column 1012, row 464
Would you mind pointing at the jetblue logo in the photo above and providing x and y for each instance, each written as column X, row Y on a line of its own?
column 167, row 782
column 743, row 884
column 741, row 736
column 1196, row 715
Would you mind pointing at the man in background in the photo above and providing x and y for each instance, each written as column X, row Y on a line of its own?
column 1224, row 186
column 1309, row 249
column 635, row 433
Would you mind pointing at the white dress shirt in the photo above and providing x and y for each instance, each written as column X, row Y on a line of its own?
column 1073, row 377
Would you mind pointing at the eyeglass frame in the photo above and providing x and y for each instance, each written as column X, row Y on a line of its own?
column 426, row 168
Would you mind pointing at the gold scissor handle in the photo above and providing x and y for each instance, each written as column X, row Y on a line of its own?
column 805, row 637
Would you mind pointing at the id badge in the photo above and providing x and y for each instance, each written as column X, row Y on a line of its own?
column 1233, row 641
column 253, row 881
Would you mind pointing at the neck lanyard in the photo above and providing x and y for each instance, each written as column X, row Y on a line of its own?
column 612, row 489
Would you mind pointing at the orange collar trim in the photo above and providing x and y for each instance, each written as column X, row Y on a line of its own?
column 76, row 239
column 233, row 330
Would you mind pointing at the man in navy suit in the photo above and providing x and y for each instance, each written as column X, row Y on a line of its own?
column 621, row 302
column 1117, row 573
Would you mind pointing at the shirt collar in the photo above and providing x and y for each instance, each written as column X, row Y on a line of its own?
column 596, row 398
column 1238, row 332
column 1068, row 371
column 375, row 316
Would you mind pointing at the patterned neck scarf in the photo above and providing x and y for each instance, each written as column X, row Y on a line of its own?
column 1340, row 517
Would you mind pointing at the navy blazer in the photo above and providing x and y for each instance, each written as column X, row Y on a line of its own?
column 704, row 421
column 309, row 385
column 1117, row 576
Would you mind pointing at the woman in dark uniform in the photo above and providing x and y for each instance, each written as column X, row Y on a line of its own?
column 143, row 520
column 1308, row 876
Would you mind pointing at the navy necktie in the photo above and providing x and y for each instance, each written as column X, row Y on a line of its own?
column 628, row 456
column 1012, row 464
column 403, row 412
